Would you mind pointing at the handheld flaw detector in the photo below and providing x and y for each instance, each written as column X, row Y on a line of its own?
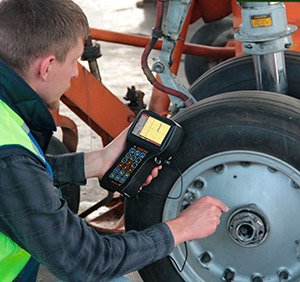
column 151, row 140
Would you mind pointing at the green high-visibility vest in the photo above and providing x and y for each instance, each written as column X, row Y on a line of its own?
column 13, row 131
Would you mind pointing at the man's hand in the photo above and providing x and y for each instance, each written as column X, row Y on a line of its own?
column 98, row 162
column 153, row 174
column 198, row 221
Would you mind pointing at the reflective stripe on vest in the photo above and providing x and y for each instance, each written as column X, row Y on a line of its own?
column 13, row 131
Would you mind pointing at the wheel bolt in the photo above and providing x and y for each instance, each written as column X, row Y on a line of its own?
column 198, row 184
column 228, row 275
column 283, row 275
column 256, row 279
column 271, row 169
column 294, row 184
column 219, row 168
column 205, row 258
column 191, row 197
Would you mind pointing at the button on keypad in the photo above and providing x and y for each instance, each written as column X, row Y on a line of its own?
column 128, row 164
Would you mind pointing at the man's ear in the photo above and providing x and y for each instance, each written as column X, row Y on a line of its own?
column 45, row 66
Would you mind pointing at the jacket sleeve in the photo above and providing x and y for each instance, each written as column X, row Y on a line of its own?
column 35, row 217
column 67, row 169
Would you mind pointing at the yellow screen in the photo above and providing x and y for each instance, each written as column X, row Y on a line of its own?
column 155, row 130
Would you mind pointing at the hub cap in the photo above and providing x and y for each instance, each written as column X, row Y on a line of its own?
column 247, row 226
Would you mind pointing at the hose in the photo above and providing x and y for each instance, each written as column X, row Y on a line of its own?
column 156, row 34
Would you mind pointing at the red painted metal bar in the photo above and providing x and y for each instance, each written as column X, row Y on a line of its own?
column 96, row 105
column 141, row 41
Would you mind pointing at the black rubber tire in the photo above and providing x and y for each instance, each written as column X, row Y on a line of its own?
column 238, row 74
column 70, row 193
column 245, row 120
column 214, row 34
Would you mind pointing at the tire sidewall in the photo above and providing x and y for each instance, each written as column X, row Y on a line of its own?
column 209, row 34
column 238, row 74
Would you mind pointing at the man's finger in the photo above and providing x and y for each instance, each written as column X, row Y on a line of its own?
column 218, row 203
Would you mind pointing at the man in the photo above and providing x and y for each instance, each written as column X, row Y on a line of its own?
column 41, row 41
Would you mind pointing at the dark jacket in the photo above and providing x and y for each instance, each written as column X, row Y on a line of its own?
column 33, row 214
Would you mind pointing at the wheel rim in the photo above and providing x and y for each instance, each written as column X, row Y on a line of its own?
column 257, row 240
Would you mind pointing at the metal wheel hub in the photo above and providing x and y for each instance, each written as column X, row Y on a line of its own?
column 259, row 238
column 247, row 227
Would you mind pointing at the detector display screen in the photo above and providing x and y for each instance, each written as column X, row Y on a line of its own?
column 151, row 129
